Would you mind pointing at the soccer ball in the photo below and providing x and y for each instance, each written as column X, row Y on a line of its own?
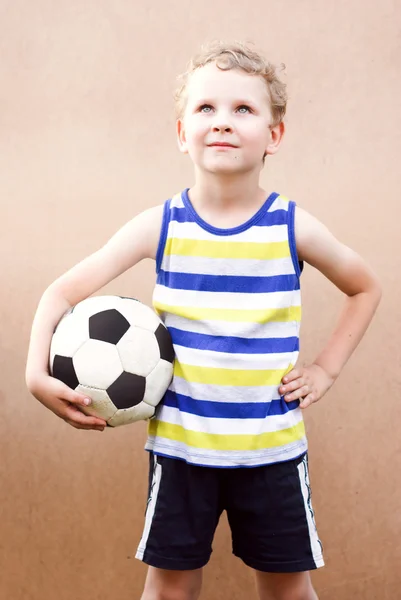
column 116, row 351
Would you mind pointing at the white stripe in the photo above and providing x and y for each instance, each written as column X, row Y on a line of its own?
column 228, row 360
column 224, row 426
column 150, row 511
column 234, row 328
column 227, row 266
column 236, row 301
column 224, row 393
column 280, row 203
column 227, row 458
column 176, row 201
column 310, row 516
column 191, row 230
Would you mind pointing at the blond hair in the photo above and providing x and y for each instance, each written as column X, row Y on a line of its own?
column 237, row 55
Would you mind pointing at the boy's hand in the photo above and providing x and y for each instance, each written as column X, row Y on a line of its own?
column 308, row 384
column 64, row 402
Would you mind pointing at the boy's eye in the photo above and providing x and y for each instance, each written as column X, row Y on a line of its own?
column 207, row 108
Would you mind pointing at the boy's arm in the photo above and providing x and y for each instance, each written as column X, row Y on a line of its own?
column 349, row 273
column 137, row 240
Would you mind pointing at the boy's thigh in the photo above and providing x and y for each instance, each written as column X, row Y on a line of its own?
column 162, row 584
column 285, row 586
column 271, row 517
column 182, row 513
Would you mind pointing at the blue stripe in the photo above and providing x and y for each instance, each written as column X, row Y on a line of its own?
column 228, row 410
column 233, row 345
column 181, row 215
column 298, row 266
column 277, row 217
column 163, row 236
column 263, row 210
column 228, row 283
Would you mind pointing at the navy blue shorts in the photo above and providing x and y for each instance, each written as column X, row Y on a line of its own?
column 268, row 508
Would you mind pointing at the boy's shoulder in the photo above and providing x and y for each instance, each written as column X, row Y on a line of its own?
column 139, row 237
column 150, row 222
column 308, row 228
column 317, row 246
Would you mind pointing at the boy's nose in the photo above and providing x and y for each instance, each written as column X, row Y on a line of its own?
column 222, row 128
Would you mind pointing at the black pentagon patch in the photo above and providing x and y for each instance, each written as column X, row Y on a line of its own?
column 108, row 326
column 127, row 390
column 165, row 344
column 63, row 369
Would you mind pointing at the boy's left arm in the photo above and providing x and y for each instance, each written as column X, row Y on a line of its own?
column 346, row 269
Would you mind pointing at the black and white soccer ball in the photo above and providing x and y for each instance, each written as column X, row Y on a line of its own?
column 116, row 351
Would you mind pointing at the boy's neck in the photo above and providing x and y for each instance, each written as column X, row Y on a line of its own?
column 224, row 193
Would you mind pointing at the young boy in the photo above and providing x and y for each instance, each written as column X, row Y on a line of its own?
column 229, row 434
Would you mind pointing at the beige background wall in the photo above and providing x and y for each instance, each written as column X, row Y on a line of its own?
column 87, row 141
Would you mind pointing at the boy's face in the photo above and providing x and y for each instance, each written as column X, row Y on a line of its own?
column 226, row 126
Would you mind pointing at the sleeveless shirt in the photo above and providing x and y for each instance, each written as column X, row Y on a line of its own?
column 231, row 301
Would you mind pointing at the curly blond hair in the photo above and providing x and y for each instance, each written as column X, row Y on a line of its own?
column 237, row 55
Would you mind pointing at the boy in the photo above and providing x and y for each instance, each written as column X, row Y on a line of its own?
column 229, row 434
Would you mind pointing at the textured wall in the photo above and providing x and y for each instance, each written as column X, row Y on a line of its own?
column 87, row 141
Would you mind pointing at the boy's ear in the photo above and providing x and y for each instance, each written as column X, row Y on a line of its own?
column 182, row 143
column 276, row 136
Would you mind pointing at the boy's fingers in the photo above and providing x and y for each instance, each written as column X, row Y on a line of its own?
column 80, row 399
column 300, row 392
column 80, row 426
column 84, row 426
column 75, row 397
column 295, row 385
column 292, row 386
column 294, row 374
column 307, row 401
column 73, row 414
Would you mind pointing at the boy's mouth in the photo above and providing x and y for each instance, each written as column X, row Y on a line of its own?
column 223, row 145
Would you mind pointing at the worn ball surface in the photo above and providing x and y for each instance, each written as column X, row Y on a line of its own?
column 116, row 351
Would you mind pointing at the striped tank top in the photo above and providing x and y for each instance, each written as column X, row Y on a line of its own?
column 231, row 301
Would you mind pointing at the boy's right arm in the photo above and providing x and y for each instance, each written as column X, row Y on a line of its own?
column 137, row 240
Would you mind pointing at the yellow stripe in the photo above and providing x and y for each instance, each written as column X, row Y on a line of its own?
column 233, row 377
column 263, row 315
column 214, row 441
column 223, row 249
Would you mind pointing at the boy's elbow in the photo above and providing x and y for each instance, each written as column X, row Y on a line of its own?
column 375, row 291
column 368, row 288
column 379, row 292
column 57, row 292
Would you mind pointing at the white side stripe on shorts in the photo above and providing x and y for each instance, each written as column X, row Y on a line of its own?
column 316, row 544
column 150, row 510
